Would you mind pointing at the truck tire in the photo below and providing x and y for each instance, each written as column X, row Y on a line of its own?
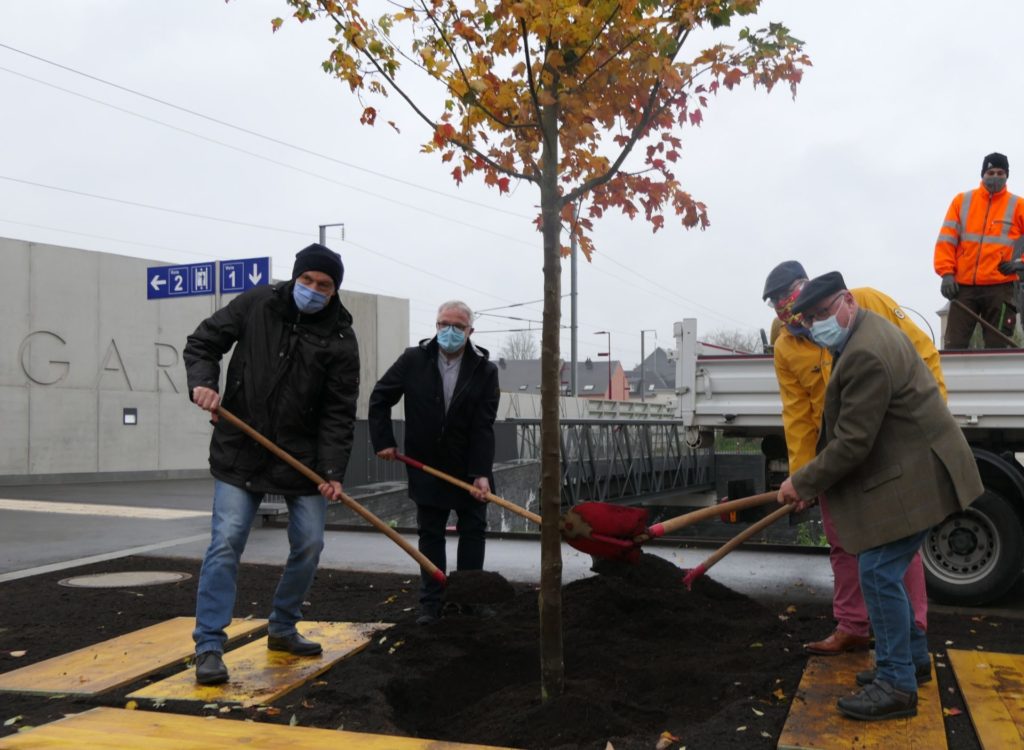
column 974, row 556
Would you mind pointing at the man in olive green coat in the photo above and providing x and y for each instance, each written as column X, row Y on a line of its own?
column 893, row 463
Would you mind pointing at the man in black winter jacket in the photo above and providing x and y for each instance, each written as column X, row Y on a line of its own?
column 294, row 376
column 451, row 401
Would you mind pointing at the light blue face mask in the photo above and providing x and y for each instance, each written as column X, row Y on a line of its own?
column 451, row 339
column 308, row 300
column 827, row 333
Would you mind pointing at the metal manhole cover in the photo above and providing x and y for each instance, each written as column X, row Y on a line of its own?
column 124, row 579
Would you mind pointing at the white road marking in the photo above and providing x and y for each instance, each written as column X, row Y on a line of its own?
column 100, row 558
column 88, row 509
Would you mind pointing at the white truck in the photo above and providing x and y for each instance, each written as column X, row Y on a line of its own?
column 971, row 557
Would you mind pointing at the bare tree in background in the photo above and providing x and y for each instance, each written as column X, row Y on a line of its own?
column 519, row 345
column 742, row 342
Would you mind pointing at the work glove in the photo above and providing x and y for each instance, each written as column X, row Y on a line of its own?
column 1011, row 266
column 949, row 287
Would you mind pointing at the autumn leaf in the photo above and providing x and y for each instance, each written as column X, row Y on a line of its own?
column 13, row 720
column 951, row 712
column 665, row 741
column 369, row 116
column 503, row 185
column 457, row 175
column 131, row 705
column 276, row 23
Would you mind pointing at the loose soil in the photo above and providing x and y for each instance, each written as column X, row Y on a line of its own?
column 642, row 655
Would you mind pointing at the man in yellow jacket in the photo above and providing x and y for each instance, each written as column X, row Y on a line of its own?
column 803, row 368
column 973, row 257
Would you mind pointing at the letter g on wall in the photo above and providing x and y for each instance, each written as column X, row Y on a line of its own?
column 57, row 365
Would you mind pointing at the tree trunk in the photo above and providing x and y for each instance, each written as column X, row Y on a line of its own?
column 552, row 666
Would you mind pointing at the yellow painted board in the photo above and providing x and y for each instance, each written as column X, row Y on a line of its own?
column 117, row 729
column 116, row 662
column 814, row 722
column 260, row 676
column 993, row 688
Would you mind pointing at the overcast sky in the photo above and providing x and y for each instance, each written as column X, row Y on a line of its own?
column 903, row 101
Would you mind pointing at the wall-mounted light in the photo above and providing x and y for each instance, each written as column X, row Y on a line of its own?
column 130, row 415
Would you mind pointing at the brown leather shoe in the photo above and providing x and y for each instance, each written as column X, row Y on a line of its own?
column 838, row 643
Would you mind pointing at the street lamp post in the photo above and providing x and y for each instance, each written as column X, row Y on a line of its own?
column 642, row 332
column 609, row 355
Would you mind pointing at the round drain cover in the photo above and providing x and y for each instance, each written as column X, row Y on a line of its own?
column 127, row 578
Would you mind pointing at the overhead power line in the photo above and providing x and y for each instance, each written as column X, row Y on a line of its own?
column 255, row 133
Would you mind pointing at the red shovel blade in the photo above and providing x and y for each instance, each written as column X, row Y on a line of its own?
column 609, row 530
column 619, row 521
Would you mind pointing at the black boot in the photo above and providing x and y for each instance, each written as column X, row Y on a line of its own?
column 293, row 644
column 878, row 701
column 429, row 613
column 923, row 673
column 210, row 669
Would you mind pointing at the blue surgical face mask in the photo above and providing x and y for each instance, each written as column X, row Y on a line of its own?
column 827, row 333
column 308, row 300
column 451, row 339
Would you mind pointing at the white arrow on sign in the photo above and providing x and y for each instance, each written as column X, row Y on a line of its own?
column 156, row 282
column 255, row 275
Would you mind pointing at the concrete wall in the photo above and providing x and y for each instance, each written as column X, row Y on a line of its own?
column 80, row 343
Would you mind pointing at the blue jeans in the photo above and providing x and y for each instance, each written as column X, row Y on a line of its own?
column 899, row 643
column 233, row 512
column 431, row 523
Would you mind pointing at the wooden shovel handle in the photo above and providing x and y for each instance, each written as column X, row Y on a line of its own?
column 735, row 542
column 672, row 524
column 311, row 475
column 490, row 496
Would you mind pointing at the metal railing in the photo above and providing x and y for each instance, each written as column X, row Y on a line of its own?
column 610, row 460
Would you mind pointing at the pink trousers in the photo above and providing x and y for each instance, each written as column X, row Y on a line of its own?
column 848, row 606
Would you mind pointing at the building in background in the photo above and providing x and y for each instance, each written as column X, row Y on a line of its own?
column 91, row 376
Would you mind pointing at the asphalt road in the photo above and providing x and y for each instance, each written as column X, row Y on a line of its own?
column 54, row 527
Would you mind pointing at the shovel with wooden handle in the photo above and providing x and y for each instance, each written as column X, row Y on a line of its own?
column 729, row 506
column 625, row 544
column 311, row 475
column 735, row 542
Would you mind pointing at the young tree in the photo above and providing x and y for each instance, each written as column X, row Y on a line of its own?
column 519, row 345
column 582, row 98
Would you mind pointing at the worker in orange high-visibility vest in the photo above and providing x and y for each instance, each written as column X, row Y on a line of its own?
column 973, row 257
column 803, row 369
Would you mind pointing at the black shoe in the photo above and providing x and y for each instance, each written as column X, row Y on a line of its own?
column 210, row 669
column 923, row 673
column 429, row 614
column 878, row 701
column 293, row 644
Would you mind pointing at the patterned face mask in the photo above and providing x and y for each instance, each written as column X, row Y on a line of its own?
column 784, row 309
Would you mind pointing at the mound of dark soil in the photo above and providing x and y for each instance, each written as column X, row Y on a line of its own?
column 642, row 655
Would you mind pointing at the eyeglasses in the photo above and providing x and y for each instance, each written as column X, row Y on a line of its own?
column 457, row 326
column 823, row 313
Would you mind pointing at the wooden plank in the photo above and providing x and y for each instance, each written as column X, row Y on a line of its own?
column 116, row 662
column 993, row 689
column 260, row 676
column 814, row 722
column 117, row 729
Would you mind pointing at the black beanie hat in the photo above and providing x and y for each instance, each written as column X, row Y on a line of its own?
column 316, row 257
column 817, row 289
column 782, row 277
column 995, row 160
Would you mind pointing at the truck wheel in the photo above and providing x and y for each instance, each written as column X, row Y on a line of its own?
column 976, row 555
